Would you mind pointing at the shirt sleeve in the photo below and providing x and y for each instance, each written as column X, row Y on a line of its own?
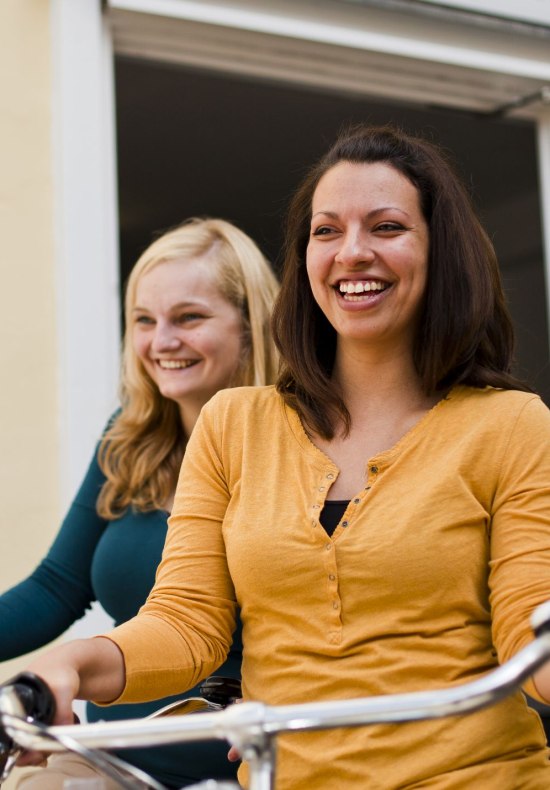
column 183, row 632
column 46, row 603
column 519, row 577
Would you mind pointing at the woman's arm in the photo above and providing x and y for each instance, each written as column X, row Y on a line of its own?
column 45, row 604
column 520, row 537
column 184, row 630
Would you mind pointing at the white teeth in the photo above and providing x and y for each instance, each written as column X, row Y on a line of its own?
column 175, row 364
column 359, row 287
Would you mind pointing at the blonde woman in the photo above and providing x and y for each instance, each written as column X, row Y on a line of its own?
column 197, row 312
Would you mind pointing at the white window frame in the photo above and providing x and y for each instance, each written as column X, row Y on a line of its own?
column 466, row 53
column 88, row 310
column 86, row 232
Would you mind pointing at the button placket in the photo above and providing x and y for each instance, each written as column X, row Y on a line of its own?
column 333, row 595
column 350, row 512
column 372, row 473
column 321, row 488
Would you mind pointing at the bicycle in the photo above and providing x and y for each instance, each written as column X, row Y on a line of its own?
column 26, row 707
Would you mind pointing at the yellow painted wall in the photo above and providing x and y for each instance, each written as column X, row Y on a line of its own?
column 29, row 503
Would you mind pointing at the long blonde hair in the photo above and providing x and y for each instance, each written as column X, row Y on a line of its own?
column 141, row 452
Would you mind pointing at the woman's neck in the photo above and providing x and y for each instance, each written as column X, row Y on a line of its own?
column 189, row 414
column 385, row 399
column 372, row 380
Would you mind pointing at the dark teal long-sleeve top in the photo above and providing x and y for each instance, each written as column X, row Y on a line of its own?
column 113, row 562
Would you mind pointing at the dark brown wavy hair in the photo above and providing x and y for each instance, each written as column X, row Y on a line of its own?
column 465, row 333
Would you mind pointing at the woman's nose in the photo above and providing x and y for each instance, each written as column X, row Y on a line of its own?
column 165, row 338
column 355, row 247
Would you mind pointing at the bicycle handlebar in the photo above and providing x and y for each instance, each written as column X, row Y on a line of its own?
column 232, row 722
column 249, row 725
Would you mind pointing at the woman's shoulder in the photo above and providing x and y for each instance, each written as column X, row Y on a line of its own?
column 494, row 395
column 498, row 405
column 242, row 408
column 248, row 398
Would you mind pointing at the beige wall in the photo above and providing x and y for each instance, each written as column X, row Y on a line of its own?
column 28, row 396
column 28, row 414
column 35, row 281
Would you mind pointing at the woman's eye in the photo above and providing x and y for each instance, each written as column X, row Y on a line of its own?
column 324, row 230
column 389, row 227
column 144, row 319
column 188, row 317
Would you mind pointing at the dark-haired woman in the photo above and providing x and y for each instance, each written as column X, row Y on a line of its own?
column 382, row 516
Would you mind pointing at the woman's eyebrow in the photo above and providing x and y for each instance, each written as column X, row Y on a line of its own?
column 372, row 213
column 177, row 306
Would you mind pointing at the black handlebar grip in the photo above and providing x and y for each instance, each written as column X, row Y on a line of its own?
column 35, row 696
column 221, row 690
column 540, row 619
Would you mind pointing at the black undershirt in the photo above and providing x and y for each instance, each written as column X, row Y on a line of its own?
column 332, row 513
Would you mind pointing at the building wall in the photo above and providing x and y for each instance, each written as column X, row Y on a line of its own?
column 29, row 481
column 47, row 427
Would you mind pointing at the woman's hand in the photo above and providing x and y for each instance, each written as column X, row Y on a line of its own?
column 83, row 669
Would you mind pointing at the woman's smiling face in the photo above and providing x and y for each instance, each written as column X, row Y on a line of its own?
column 187, row 335
column 367, row 256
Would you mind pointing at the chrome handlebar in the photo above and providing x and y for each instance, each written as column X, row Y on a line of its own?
column 252, row 726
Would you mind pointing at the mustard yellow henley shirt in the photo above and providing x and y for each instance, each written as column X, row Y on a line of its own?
column 428, row 581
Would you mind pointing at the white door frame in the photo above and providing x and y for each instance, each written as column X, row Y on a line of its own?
column 468, row 64
column 85, row 171
column 86, row 231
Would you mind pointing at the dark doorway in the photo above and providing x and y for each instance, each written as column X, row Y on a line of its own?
column 196, row 143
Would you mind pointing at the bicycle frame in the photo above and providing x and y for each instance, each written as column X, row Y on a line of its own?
column 252, row 726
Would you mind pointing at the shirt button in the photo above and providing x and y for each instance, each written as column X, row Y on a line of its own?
column 367, row 488
column 374, row 469
column 316, row 507
column 328, row 546
column 335, row 605
column 345, row 523
column 356, row 501
column 332, row 577
column 330, row 476
column 321, row 488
